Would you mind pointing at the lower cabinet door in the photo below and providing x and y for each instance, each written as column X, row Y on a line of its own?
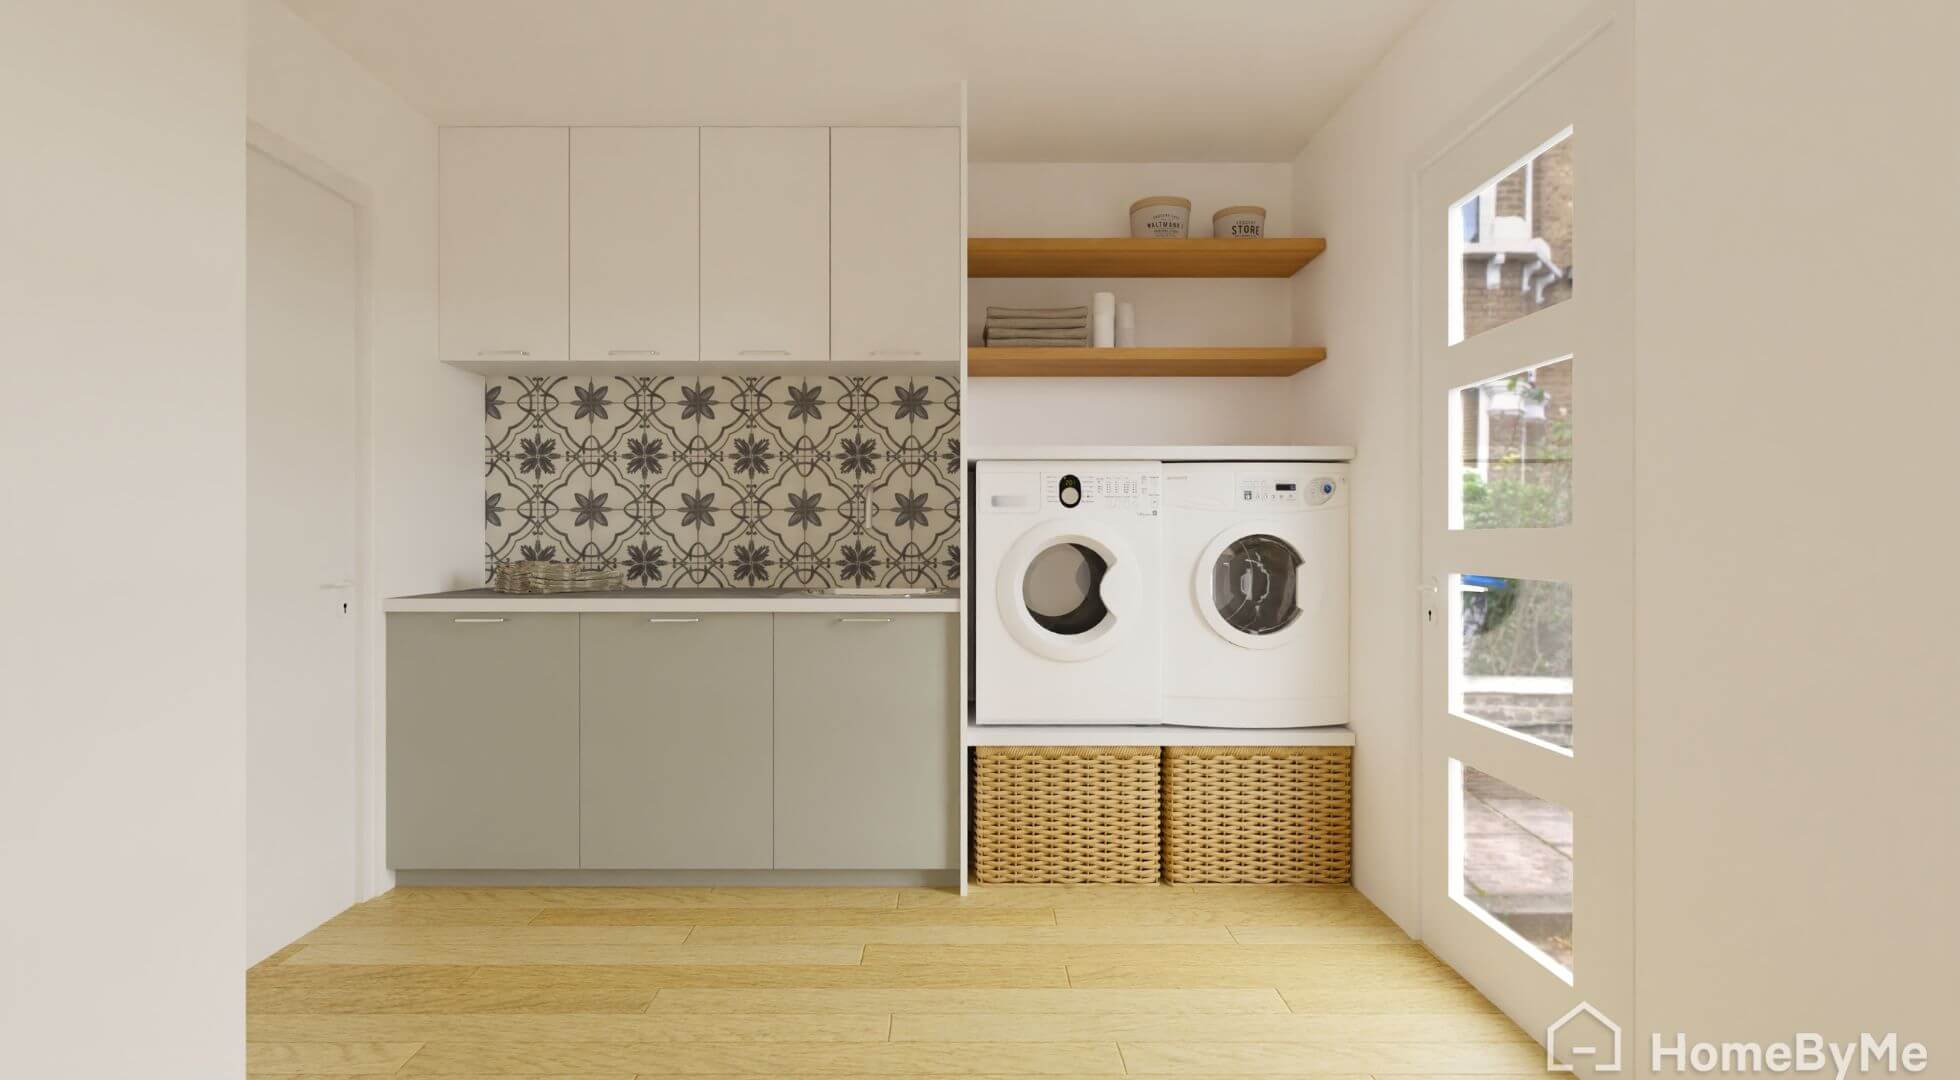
column 483, row 720
column 675, row 743
column 865, row 741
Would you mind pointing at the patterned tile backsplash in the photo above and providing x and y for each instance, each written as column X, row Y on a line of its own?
column 730, row 482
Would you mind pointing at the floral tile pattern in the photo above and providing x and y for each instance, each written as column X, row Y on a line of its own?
column 764, row 481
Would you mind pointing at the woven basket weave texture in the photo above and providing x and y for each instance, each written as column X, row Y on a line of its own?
column 1258, row 814
column 1068, row 815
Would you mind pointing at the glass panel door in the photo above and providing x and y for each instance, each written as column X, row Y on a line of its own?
column 1527, row 559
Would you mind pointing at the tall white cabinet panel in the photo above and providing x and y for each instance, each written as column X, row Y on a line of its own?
column 503, row 204
column 895, row 244
column 636, row 242
column 765, row 244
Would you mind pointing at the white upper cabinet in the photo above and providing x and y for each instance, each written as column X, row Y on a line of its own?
column 765, row 244
column 895, row 245
column 635, row 244
column 503, row 205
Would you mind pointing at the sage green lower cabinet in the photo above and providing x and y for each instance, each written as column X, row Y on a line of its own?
column 483, row 741
column 676, row 741
column 865, row 735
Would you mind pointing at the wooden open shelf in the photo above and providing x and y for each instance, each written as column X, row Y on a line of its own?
column 1143, row 362
column 1270, row 257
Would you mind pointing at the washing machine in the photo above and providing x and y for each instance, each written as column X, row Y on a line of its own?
column 1065, row 597
column 1255, row 594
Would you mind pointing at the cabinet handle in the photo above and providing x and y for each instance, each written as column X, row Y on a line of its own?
column 632, row 352
column 894, row 352
column 503, row 352
column 850, row 619
column 476, row 620
column 763, row 352
column 672, row 620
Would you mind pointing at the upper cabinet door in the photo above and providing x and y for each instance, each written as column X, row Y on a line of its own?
column 503, row 204
column 765, row 244
column 636, row 242
column 895, row 274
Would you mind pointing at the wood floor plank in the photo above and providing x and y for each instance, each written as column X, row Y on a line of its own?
column 1155, row 1027
column 589, row 955
column 1019, row 1001
column 1229, row 917
column 1351, row 973
column 332, row 934
column 1144, row 897
column 771, row 976
column 771, row 1059
column 793, row 916
column 375, row 913
column 1320, row 935
column 595, row 1028
column 1376, row 1059
column 547, row 897
column 953, row 934
column 556, row 1000
column 328, row 1059
column 291, row 976
column 1335, row 998
column 1309, row 957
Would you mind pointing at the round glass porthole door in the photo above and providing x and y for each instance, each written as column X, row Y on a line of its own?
column 1255, row 585
column 1062, row 589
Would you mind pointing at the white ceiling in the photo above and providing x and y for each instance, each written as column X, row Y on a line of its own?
column 1049, row 80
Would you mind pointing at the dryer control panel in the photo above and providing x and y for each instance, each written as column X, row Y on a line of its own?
column 1124, row 492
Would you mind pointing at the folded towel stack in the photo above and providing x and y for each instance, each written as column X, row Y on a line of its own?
column 1036, row 328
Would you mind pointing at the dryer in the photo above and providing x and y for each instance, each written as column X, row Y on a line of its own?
column 1255, row 594
column 1066, row 593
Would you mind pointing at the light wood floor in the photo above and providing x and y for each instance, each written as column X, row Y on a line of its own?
column 583, row 984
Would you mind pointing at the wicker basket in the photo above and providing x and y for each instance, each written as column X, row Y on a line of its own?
column 1258, row 814
column 1070, row 815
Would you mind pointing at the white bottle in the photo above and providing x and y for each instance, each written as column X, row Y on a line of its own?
column 1126, row 325
column 1104, row 321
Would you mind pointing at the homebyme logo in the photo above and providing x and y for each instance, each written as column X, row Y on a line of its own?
column 1587, row 1035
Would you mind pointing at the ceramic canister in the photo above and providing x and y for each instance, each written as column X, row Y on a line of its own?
column 1239, row 221
column 1163, row 217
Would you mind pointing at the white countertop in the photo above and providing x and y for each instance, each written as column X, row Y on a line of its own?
column 1160, row 453
column 690, row 600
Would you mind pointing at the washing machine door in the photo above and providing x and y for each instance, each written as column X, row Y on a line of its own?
column 1068, row 594
column 1251, row 585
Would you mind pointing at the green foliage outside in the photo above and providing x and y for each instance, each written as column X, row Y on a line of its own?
column 1525, row 629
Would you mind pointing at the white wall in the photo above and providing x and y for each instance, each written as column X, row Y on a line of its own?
column 1796, row 634
column 425, row 420
column 1094, row 200
column 1352, row 186
column 122, row 308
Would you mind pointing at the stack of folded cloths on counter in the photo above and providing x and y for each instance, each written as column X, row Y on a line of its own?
column 1036, row 328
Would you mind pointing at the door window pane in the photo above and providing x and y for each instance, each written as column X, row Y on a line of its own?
column 1515, row 670
column 1515, row 460
column 1511, row 243
column 1515, row 861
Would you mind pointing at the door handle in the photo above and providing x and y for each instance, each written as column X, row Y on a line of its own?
column 672, row 620
column 342, row 584
column 894, row 352
column 476, row 620
column 855, row 620
column 503, row 352
column 632, row 352
column 763, row 352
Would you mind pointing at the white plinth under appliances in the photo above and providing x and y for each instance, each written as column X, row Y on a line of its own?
column 1066, row 592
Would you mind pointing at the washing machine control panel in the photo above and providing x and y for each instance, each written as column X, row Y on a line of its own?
column 1135, row 493
column 1286, row 492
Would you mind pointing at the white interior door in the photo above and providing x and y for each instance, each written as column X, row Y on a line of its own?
column 302, row 479
column 1527, row 511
